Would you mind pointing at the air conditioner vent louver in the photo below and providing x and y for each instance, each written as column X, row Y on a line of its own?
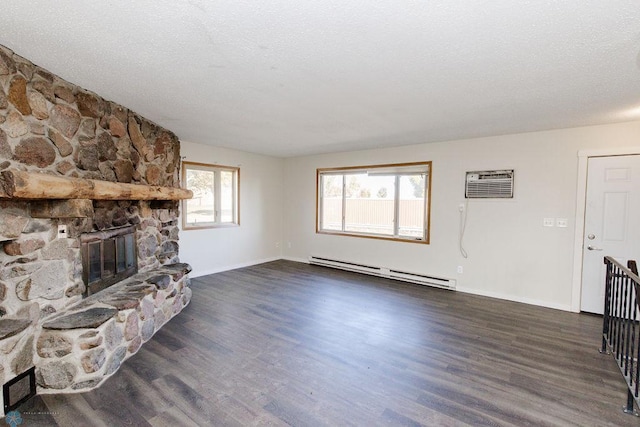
column 489, row 184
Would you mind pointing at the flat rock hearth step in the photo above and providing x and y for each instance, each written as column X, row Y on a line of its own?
column 161, row 280
column 91, row 318
column 10, row 327
column 123, row 295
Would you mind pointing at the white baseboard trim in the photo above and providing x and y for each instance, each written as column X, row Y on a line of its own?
column 499, row 295
column 198, row 273
column 290, row 258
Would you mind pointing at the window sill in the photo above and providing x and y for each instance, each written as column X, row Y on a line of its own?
column 375, row 236
column 209, row 226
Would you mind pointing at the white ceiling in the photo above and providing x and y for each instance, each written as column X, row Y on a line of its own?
column 289, row 78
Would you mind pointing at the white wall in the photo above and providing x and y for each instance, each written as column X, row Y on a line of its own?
column 511, row 255
column 254, row 241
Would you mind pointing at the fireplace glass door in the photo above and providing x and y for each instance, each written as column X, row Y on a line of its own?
column 108, row 257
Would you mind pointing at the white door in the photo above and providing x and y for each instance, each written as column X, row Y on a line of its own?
column 612, row 222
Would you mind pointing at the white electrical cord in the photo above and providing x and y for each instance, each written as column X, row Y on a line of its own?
column 463, row 226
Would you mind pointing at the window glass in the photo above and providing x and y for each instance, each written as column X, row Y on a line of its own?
column 332, row 202
column 226, row 196
column 369, row 204
column 411, row 205
column 200, row 207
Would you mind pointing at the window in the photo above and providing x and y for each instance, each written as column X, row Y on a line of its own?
column 381, row 201
column 215, row 196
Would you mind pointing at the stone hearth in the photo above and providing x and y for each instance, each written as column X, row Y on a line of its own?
column 80, row 348
column 52, row 128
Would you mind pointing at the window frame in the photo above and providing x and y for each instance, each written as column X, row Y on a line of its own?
column 346, row 170
column 217, row 201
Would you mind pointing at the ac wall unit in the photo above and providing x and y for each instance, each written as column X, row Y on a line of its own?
column 496, row 184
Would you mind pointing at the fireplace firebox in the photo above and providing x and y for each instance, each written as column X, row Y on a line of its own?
column 108, row 257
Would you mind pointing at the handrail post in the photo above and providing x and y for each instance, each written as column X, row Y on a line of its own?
column 607, row 303
column 629, row 408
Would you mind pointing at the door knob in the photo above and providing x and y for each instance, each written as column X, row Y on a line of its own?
column 592, row 248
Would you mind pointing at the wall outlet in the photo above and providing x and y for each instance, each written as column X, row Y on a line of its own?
column 277, row 244
column 562, row 222
column 62, row 232
column 460, row 270
column 461, row 207
column 549, row 222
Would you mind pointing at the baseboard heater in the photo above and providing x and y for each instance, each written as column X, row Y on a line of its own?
column 405, row 276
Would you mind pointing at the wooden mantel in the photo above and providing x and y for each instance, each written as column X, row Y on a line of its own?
column 15, row 184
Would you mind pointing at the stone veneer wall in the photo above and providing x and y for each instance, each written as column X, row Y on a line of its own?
column 52, row 126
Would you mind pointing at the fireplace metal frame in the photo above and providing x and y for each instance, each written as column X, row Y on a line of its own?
column 106, row 279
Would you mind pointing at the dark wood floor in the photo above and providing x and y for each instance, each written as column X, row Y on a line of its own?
column 285, row 343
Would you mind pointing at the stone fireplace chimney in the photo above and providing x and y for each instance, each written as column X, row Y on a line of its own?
column 73, row 167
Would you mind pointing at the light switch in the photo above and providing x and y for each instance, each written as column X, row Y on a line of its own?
column 548, row 222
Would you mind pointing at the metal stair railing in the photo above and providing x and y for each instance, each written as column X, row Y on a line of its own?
column 621, row 326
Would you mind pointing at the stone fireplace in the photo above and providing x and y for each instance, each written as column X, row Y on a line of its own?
column 89, row 197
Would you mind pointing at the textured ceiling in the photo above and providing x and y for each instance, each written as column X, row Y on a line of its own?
column 289, row 78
